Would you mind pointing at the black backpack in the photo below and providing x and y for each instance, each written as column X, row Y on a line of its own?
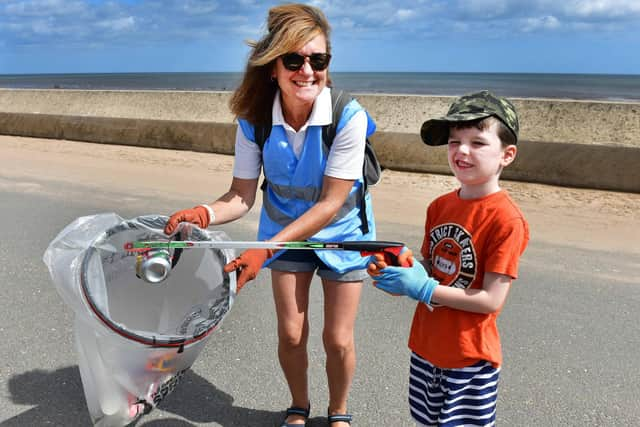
column 371, row 169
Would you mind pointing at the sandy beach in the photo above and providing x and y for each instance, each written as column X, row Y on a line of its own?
column 581, row 218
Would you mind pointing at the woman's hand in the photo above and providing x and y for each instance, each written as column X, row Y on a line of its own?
column 247, row 265
column 232, row 205
column 198, row 215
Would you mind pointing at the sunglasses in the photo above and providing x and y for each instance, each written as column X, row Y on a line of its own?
column 294, row 61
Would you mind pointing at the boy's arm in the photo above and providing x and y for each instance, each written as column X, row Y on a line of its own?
column 495, row 288
column 416, row 283
column 509, row 238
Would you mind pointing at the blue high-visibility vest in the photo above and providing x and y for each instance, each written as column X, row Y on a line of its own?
column 294, row 186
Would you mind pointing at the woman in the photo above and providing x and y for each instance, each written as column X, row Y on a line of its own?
column 311, row 193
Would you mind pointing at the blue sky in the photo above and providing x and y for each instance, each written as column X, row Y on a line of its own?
column 559, row 36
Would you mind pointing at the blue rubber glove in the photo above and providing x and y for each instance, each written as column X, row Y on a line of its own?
column 411, row 281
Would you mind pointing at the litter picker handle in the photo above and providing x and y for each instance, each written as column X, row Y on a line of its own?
column 389, row 250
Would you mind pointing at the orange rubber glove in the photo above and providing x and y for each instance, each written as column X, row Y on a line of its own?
column 247, row 265
column 379, row 263
column 198, row 215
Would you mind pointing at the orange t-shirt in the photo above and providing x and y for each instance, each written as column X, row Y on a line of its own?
column 463, row 240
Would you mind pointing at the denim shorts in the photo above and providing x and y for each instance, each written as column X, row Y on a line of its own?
column 298, row 261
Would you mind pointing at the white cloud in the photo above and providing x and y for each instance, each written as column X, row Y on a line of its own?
column 119, row 24
column 483, row 8
column 346, row 23
column 165, row 21
column 405, row 14
column 540, row 23
column 43, row 7
column 460, row 27
column 42, row 27
column 199, row 7
column 603, row 9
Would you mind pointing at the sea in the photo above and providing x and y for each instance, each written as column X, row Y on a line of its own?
column 517, row 85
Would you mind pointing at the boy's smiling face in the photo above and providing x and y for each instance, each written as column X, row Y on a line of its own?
column 476, row 158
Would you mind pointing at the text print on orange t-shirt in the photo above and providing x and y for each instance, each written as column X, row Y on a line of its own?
column 453, row 256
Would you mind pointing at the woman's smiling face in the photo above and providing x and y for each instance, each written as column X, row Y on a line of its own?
column 300, row 88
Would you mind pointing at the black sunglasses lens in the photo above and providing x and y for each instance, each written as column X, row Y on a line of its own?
column 294, row 61
column 319, row 61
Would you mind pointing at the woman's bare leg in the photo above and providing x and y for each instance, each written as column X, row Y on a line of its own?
column 291, row 296
column 340, row 311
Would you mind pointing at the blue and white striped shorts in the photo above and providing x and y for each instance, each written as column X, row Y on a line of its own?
column 453, row 397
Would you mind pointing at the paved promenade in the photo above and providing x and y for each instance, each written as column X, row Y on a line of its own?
column 569, row 327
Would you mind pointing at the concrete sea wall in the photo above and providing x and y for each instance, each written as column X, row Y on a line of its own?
column 589, row 144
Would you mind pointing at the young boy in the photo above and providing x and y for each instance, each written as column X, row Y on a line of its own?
column 473, row 239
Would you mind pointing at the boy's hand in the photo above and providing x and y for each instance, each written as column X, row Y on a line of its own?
column 379, row 263
column 411, row 281
column 406, row 256
column 374, row 268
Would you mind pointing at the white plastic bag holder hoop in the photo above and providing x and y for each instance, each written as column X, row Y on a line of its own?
column 185, row 305
column 135, row 339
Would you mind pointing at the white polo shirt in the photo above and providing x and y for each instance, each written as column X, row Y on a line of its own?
column 347, row 151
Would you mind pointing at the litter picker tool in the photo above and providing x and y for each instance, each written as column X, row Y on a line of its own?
column 154, row 262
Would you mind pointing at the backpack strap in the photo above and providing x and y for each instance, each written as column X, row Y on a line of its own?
column 261, row 133
column 339, row 100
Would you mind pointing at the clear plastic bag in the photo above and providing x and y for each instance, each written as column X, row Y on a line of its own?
column 136, row 339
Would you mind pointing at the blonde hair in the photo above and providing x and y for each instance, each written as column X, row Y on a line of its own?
column 289, row 27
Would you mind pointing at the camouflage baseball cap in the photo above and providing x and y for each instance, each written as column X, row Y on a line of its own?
column 470, row 107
